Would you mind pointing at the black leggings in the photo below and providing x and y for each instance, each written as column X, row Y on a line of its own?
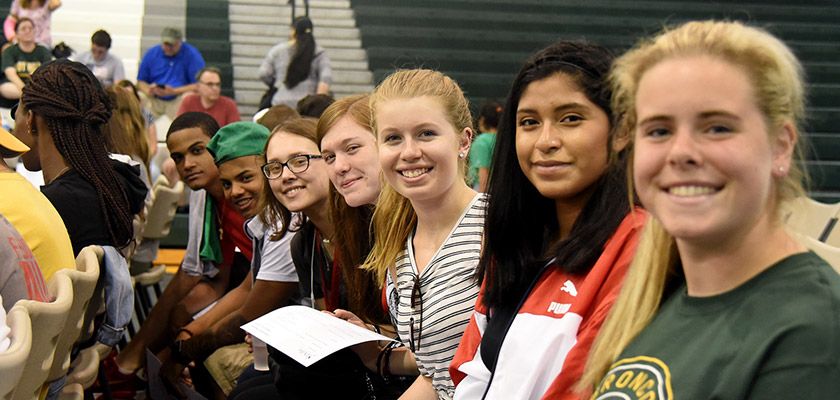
column 342, row 375
column 260, row 387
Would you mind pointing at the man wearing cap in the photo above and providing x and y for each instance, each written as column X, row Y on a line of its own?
column 107, row 67
column 167, row 71
column 31, row 212
column 208, row 98
column 272, row 282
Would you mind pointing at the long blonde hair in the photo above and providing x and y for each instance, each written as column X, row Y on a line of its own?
column 394, row 217
column 125, row 132
column 777, row 78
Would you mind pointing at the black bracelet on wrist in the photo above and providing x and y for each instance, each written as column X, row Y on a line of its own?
column 187, row 331
column 379, row 361
column 386, row 371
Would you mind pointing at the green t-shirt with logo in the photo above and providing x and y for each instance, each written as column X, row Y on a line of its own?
column 777, row 336
column 25, row 63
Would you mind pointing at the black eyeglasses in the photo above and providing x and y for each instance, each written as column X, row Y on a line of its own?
column 296, row 164
column 416, row 297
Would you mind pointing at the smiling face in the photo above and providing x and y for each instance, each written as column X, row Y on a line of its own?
column 419, row 149
column 303, row 191
column 242, row 182
column 188, row 148
column 704, row 164
column 561, row 139
column 349, row 151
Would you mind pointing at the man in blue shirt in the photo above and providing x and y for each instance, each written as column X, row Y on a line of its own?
column 167, row 71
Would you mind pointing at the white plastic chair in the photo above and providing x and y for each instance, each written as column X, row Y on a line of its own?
column 14, row 358
column 810, row 217
column 48, row 320
column 84, row 279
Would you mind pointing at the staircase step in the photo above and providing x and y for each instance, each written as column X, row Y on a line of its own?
column 281, row 13
column 262, row 48
column 284, row 3
column 248, row 40
column 282, row 31
column 336, row 65
column 274, row 20
column 251, row 97
column 335, row 54
column 338, row 76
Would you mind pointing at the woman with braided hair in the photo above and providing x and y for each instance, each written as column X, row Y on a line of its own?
column 60, row 117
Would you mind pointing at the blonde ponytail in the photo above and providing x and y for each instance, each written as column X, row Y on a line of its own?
column 649, row 274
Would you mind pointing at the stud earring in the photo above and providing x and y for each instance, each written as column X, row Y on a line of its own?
column 461, row 155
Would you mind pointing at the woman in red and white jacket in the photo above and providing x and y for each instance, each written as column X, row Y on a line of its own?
column 559, row 232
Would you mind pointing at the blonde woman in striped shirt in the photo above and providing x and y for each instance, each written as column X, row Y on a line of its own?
column 427, row 227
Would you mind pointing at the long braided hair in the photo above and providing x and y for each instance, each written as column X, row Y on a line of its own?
column 67, row 96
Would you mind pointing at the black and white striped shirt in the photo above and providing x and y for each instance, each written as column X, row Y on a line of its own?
column 448, row 292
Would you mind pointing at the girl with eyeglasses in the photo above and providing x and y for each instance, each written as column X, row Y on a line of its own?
column 427, row 226
column 560, row 232
column 296, row 200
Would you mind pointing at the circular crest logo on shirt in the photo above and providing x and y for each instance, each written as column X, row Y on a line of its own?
column 637, row 378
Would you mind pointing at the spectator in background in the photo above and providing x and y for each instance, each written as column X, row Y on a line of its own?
column 481, row 151
column 167, row 71
column 29, row 210
column 125, row 134
column 39, row 11
column 298, row 67
column 208, row 98
column 274, row 116
column 20, row 275
column 105, row 66
column 314, row 105
column 22, row 59
column 148, row 117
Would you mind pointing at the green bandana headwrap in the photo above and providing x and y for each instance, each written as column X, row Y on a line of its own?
column 235, row 140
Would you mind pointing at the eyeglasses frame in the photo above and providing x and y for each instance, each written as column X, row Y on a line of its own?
column 309, row 158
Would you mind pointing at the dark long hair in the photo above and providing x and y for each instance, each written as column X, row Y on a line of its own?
column 304, row 52
column 72, row 103
column 521, row 225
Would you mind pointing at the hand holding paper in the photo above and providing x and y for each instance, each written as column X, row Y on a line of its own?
column 307, row 335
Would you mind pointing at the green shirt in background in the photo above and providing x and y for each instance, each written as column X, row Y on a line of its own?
column 25, row 63
column 481, row 153
column 777, row 336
